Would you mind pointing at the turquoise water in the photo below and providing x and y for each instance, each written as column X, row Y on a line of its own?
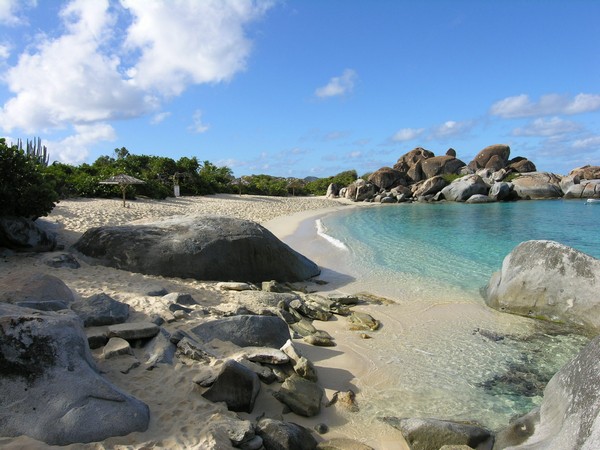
column 430, row 359
column 456, row 243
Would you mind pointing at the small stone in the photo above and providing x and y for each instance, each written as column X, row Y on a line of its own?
column 116, row 347
column 133, row 330
column 321, row 428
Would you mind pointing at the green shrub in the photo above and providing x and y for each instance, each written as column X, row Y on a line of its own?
column 25, row 191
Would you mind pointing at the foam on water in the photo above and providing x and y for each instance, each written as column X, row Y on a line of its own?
column 433, row 356
column 322, row 231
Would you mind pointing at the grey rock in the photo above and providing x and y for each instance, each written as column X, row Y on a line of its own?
column 463, row 188
column 265, row 374
column 133, row 330
column 362, row 321
column 586, row 172
column 263, row 355
column 537, row 185
column 36, row 290
column 180, row 298
column 101, row 309
column 387, row 178
column 199, row 247
column 235, row 286
column 441, row 165
column 431, row 434
column 498, row 153
column 585, row 189
column 302, row 366
column 500, row 191
column 479, row 198
column 116, row 347
column 50, row 383
column 278, row 435
column 97, row 336
column 410, row 163
column 545, row 279
column 65, row 260
column 274, row 286
column 189, row 349
column 160, row 349
column 333, row 191
column 245, row 331
column 157, row 291
column 431, row 186
column 235, row 385
column 301, row 395
column 24, row 235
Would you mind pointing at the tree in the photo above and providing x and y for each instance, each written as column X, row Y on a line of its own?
column 24, row 190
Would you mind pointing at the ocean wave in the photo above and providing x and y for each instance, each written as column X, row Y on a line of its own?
column 322, row 231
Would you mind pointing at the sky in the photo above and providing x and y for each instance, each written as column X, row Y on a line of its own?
column 298, row 88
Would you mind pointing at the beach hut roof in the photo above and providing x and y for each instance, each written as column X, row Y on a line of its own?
column 122, row 179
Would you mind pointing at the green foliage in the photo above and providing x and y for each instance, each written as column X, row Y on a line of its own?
column 25, row 191
column 511, row 176
column 265, row 185
column 342, row 179
column 450, row 177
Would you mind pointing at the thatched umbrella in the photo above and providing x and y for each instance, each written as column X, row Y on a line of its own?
column 123, row 181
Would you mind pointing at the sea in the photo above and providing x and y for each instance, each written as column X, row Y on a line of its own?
column 441, row 352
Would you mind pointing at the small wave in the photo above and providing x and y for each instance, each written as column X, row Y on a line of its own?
column 322, row 231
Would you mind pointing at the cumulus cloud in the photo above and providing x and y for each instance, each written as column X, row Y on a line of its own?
column 338, row 86
column 189, row 42
column 407, row 134
column 9, row 12
column 451, row 128
column 549, row 104
column 547, row 127
column 160, row 117
column 74, row 149
column 591, row 142
column 198, row 126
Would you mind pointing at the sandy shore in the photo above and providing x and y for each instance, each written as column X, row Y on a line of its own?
column 180, row 417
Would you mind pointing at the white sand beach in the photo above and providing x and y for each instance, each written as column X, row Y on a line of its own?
column 180, row 417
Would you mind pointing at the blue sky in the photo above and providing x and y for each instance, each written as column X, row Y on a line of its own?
column 303, row 87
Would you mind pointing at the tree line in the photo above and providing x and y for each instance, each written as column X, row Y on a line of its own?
column 30, row 187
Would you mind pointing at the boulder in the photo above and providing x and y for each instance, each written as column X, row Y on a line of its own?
column 410, row 159
column 387, row 178
column 451, row 152
column 548, row 280
column 101, row 309
column 333, row 191
column 131, row 331
column 51, row 386
column 431, row 186
column 431, row 434
column 537, row 185
column 479, row 198
column 585, row 189
column 245, row 331
column 160, row 349
column 440, row 165
column 500, row 191
column 116, row 347
column 463, row 188
column 302, row 396
column 567, row 418
column 586, row 172
column 278, row 435
column 64, row 260
column 199, row 247
column 36, row 290
column 24, row 235
column 496, row 153
column 235, row 385
column 521, row 165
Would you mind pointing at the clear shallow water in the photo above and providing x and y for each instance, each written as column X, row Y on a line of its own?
column 429, row 360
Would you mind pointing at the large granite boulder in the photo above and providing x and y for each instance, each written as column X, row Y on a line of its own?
column 199, row 247
column 101, row 309
column 245, row 331
column 360, row 190
column 36, row 290
column 431, row 186
column 567, row 419
column 548, row 280
column 586, row 172
column 24, row 235
column 440, row 165
column 387, row 178
column 493, row 157
column 285, row 435
column 50, row 384
column 235, row 385
column 521, row 165
column 410, row 163
column 462, row 188
column 584, row 189
column 537, row 185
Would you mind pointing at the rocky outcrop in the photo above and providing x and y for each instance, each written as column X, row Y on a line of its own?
column 285, row 435
column 101, row 309
column 25, row 235
column 548, row 280
column 567, row 419
column 440, row 165
column 492, row 157
column 537, row 185
column 586, row 172
column 235, row 385
column 410, row 163
column 360, row 190
column 199, row 247
column 583, row 189
column 521, row 165
column 49, row 382
column 387, row 178
column 431, row 186
column 462, row 188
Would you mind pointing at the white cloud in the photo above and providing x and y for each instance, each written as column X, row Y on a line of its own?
column 450, row 128
column 592, row 142
column 160, row 117
column 68, row 81
column 549, row 104
column 198, row 126
column 74, row 149
column 189, row 41
column 9, row 10
column 547, row 127
column 338, row 86
column 407, row 134
column 4, row 51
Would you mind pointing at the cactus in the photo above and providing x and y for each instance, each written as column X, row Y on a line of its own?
column 36, row 150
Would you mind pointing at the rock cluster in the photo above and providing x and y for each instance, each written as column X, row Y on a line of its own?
column 419, row 175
